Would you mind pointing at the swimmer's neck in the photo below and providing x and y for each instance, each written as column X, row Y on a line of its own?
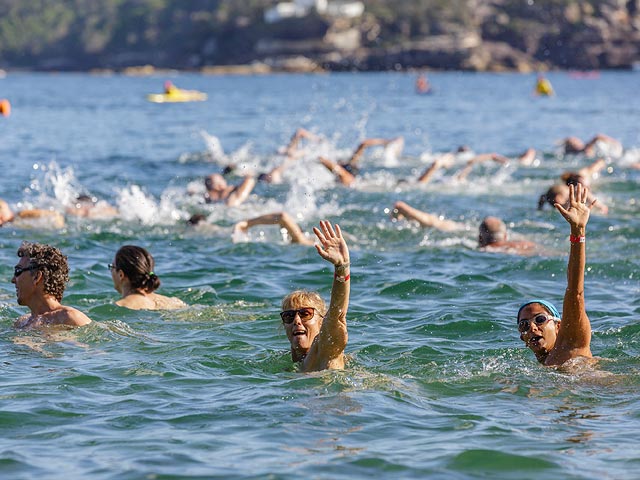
column 44, row 305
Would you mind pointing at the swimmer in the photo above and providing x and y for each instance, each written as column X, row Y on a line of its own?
column 600, row 144
column 133, row 277
column 283, row 219
column 218, row 191
column 318, row 336
column 560, row 193
column 492, row 232
column 31, row 217
column 40, row 278
column 447, row 160
column 346, row 172
column 422, row 85
column 90, row 207
column 555, row 339
column 292, row 152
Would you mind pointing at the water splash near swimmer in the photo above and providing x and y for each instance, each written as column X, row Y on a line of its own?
column 57, row 187
column 136, row 205
column 214, row 146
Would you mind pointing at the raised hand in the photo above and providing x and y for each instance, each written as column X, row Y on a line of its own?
column 579, row 210
column 332, row 246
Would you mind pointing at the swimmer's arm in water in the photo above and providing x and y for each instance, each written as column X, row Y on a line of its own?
column 344, row 177
column 241, row 192
column 283, row 219
column 437, row 164
column 426, row 219
column 574, row 336
column 292, row 148
column 333, row 336
column 462, row 174
column 369, row 142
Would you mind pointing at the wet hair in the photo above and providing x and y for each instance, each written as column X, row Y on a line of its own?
column 492, row 230
column 574, row 178
column 551, row 195
column 137, row 265
column 196, row 219
column 305, row 298
column 51, row 263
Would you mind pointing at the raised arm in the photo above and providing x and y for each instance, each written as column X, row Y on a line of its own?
column 426, row 219
column 332, row 338
column 369, row 142
column 345, row 177
column 241, row 192
column 574, row 337
column 301, row 133
column 281, row 218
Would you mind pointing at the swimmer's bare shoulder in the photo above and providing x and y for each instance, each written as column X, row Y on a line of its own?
column 63, row 316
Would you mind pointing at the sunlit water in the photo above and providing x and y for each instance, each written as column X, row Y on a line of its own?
column 438, row 384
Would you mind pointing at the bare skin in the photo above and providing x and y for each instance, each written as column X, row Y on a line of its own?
column 341, row 171
column 45, row 309
column 140, row 299
column 230, row 195
column 319, row 343
column 283, row 219
column 554, row 343
column 492, row 231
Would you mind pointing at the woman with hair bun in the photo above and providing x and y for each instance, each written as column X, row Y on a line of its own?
column 133, row 277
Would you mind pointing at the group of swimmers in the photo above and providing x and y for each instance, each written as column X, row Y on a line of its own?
column 317, row 333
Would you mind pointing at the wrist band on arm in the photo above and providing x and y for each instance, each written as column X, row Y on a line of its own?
column 577, row 238
column 342, row 279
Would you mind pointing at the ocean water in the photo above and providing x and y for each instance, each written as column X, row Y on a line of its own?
column 437, row 384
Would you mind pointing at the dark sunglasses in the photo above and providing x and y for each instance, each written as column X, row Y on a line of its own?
column 306, row 313
column 17, row 271
column 540, row 319
column 111, row 266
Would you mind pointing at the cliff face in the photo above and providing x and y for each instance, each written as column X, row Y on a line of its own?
column 477, row 35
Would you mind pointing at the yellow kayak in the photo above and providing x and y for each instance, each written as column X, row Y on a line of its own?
column 178, row 96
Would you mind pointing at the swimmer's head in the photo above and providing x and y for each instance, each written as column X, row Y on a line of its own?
column 556, row 194
column 492, row 230
column 196, row 219
column 215, row 181
column 538, row 325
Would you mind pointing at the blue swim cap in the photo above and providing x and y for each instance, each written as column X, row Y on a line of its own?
column 548, row 305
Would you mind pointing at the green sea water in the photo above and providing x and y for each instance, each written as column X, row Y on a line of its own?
column 437, row 383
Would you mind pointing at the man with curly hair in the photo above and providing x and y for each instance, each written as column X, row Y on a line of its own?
column 40, row 278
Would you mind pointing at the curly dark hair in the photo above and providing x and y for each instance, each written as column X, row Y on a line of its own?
column 51, row 262
column 137, row 264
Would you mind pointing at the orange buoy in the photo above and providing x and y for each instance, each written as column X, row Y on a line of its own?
column 5, row 107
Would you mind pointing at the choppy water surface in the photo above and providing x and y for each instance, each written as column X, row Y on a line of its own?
column 437, row 385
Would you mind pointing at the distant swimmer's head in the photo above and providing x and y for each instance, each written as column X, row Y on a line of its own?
column 575, row 178
column 538, row 324
column 573, row 145
column 556, row 194
column 215, row 181
column 492, row 230
column 302, row 314
column 86, row 199
column 136, row 265
column 6, row 215
column 197, row 219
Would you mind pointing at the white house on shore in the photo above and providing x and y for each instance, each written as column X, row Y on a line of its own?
column 302, row 8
